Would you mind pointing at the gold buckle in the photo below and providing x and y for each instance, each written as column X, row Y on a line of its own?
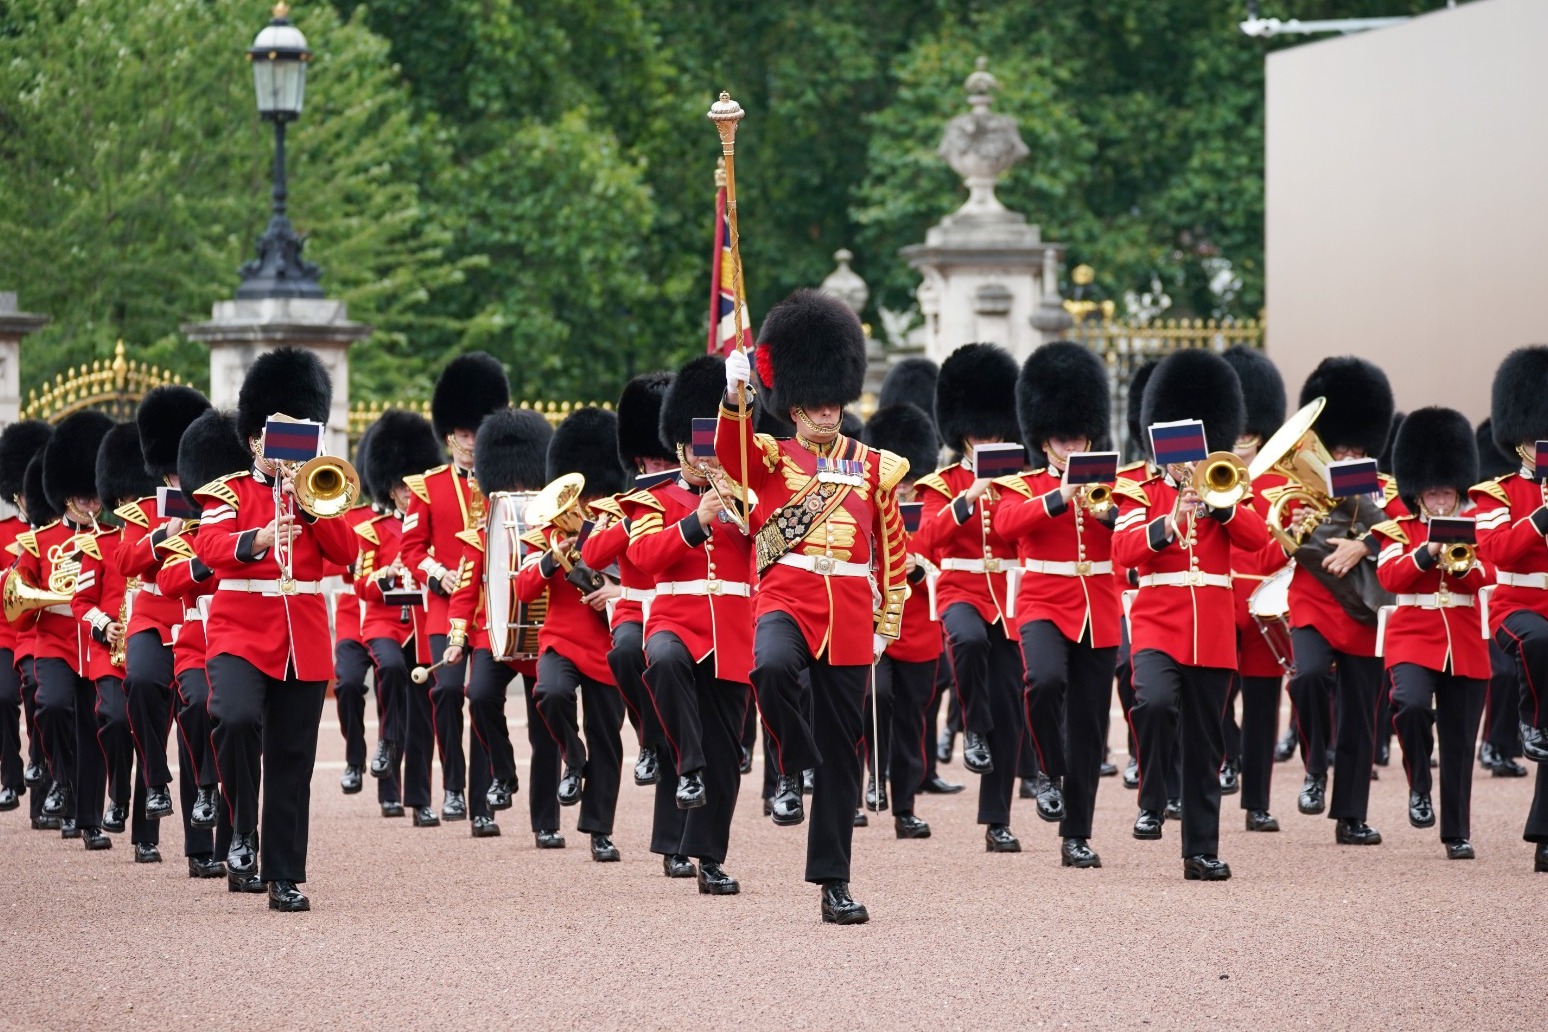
column 713, row 587
column 1195, row 578
column 991, row 565
column 823, row 564
column 1083, row 568
column 287, row 586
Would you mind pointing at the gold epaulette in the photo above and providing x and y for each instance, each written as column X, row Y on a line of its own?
column 893, row 468
column 178, row 546
column 935, row 482
column 416, row 483
column 645, row 498
column 649, row 523
column 1392, row 529
column 365, row 529
column 535, row 538
column 88, row 543
column 610, row 506
column 221, row 491
column 1389, row 488
column 131, row 512
column 13, row 548
column 167, row 564
column 28, row 539
column 471, row 538
column 1017, row 482
column 1493, row 488
column 1132, row 490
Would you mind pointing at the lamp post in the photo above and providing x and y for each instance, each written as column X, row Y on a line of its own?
column 279, row 56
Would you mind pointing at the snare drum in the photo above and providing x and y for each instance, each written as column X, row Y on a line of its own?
column 1269, row 606
column 513, row 625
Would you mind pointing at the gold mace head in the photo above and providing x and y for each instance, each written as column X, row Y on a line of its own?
column 725, row 113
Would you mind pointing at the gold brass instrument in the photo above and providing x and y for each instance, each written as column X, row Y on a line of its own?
column 1097, row 499
column 21, row 597
column 1458, row 558
column 1222, row 480
column 559, row 506
column 734, row 503
column 326, row 487
column 118, row 651
column 64, row 560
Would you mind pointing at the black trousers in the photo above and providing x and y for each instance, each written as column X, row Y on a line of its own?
column 410, row 727
column 11, row 765
column 943, row 690
column 148, row 684
column 351, row 662
column 1524, row 637
column 116, row 740
column 902, row 692
column 1426, row 704
column 488, row 681
column 446, row 697
column 35, row 751
column 829, row 742
column 1355, row 683
column 626, row 659
column 265, row 732
column 1257, row 738
column 987, row 668
column 1184, row 703
column 543, row 775
column 193, row 724
column 700, row 717
column 1503, row 706
column 1068, row 689
column 68, row 724
column 559, row 685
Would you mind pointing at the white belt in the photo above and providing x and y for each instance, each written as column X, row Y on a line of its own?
column 192, row 615
column 977, row 565
column 825, row 565
column 149, row 589
column 1083, row 568
column 59, row 611
column 269, row 587
column 635, row 594
column 704, row 587
column 1522, row 580
column 1446, row 601
column 1185, row 579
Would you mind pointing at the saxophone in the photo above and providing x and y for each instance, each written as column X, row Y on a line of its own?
column 117, row 651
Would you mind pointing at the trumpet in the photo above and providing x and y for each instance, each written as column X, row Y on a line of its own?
column 1223, row 480
column 1097, row 499
column 1458, row 557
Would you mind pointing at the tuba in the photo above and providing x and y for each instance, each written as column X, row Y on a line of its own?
column 559, row 506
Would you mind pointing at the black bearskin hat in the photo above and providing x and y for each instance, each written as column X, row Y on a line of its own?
column 587, row 443
column 1062, row 392
column 905, row 430
column 471, row 387
column 1491, row 461
column 1435, row 447
column 402, row 444
column 121, row 475
column 39, row 512
column 911, row 382
column 1359, row 408
column 20, row 443
column 766, row 420
column 1519, row 406
column 164, row 413
column 811, row 352
column 290, row 381
column 1263, row 390
column 1195, row 383
column 210, row 449
column 639, row 418
column 975, row 395
column 1384, row 460
column 695, row 393
column 70, row 457
column 1139, row 441
column 511, row 451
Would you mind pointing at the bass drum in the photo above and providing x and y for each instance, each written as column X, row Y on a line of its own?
column 1269, row 606
column 513, row 625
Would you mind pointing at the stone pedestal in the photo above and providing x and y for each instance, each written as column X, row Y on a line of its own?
column 14, row 325
column 241, row 330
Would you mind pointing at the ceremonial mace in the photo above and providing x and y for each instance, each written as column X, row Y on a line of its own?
column 725, row 113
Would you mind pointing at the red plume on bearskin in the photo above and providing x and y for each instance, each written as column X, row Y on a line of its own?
column 811, row 352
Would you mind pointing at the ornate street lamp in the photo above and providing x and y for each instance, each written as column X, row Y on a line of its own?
column 279, row 56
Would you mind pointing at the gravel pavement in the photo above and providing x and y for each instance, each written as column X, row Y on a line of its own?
column 428, row 928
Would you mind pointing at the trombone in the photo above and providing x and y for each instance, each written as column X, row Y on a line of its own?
column 325, row 488
column 1221, row 479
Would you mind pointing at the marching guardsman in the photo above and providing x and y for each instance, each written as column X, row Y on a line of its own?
column 1512, row 514
column 446, row 502
column 1067, row 603
column 102, row 603
column 1249, row 763
column 1335, row 652
column 267, row 629
column 50, row 562
column 698, row 634
column 402, row 444
column 19, row 443
column 352, row 660
column 508, row 456
column 1434, row 647
column 975, row 404
column 574, row 640
column 1501, row 747
column 830, row 551
column 639, row 449
column 39, row 772
column 1181, row 623
column 905, row 689
column 208, row 449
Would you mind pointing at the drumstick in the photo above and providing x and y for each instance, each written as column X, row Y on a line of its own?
column 421, row 674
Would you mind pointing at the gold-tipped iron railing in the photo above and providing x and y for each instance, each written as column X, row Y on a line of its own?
column 362, row 414
column 115, row 386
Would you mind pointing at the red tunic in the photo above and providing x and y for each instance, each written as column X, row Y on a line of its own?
column 669, row 546
column 603, row 548
column 950, row 532
column 921, row 640
column 186, row 578
column 274, row 632
column 346, row 604
column 139, row 556
column 381, row 541
column 1512, row 517
column 1192, row 620
column 468, row 612
column 446, row 501
column 1430, row 634
column 834, row 611
column 10, row 528
column 99, row 599
column 572, row 628
column 1043, row 528
column 1249, row 569
column 57, row 634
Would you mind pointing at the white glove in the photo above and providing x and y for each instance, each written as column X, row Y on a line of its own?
column 738, row 370
column 879, row 645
